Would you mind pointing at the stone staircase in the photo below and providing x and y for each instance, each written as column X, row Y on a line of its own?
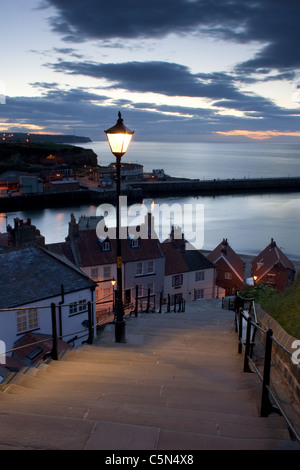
column 177, row 384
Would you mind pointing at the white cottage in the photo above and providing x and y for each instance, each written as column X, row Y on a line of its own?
column 189, row 275
column 31, row 279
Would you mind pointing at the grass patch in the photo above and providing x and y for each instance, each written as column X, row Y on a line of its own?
column 283, row 307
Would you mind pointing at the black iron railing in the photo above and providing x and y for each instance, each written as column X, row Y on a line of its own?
column 258, row 347
column 145, row 304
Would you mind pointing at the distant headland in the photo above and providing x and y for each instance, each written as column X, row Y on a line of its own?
column 32, row 157
column 21, row 137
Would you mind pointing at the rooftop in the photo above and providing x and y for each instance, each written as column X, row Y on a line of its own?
column 36, row 274
column 181, row 256
column 224, row 251
column 269, row 257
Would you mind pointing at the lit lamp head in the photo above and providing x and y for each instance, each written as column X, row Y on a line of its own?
column 119, row 137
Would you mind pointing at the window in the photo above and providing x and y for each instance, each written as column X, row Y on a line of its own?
column 106, row 246
column 150, row 286
column 73, row 308
column 27, row 320
column 140, row 290
column 199, row 276
column 135, row 243
column 107, row 292
column 32, row 318
column 177, row 280
column 94, row 273
column 34, row 353
column 106, row 272
column 176, row 298
column 77, row 307
column 150, row 267
column 271, row 279
column 259, row 265
column 198, row 294
column 139, row 268
column 22, row 321
column 82, row 305
column 228, row 276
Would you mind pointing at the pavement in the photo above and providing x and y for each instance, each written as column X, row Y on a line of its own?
column 176, row 384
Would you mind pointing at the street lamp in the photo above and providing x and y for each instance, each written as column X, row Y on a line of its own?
column 119, row 138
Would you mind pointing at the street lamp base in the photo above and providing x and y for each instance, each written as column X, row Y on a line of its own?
column 120, row 332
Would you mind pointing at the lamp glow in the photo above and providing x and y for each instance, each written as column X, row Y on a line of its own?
column 119, row 138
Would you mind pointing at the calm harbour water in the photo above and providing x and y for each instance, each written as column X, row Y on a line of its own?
column 247, row 221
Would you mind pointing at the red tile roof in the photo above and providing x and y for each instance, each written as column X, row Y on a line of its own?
column 32, row 353
column 268, row 258
column 87, row 248
column 225, row 252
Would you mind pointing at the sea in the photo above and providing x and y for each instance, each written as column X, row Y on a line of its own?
column 247, row 221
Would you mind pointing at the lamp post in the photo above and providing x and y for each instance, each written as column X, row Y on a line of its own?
column 119, row 138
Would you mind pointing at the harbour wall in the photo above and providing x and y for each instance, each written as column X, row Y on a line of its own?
column 136, row 192
column 218, row 187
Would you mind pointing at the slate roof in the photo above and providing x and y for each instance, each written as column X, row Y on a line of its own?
column 32, row 274
column 179, row 259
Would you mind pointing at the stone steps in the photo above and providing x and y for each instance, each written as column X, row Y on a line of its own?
column 159, row 391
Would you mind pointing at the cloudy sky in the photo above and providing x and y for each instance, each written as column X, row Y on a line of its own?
column 199, row 70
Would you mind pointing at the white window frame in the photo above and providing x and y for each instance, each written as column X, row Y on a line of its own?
column 199, row 276
column 106, row 272
column 198, row 294
column 73, row 308
column 140, row 290
column 228, row 275
column 139, row 268
column 94, row 273
column 150, row 266
column 82, row 305
column 177, row 280
column 150, row 286
column 135, row 243
column 27, row 319
column 106, row 246
column 77, row 307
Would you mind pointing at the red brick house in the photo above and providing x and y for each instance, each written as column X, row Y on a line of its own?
column 229, row 269
column 272, row 267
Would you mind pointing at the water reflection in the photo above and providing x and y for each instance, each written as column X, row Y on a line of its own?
column 248, row 222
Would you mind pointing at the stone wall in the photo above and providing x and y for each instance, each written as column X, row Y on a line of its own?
column 282, row 360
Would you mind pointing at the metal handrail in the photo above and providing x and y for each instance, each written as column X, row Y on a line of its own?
column 55, row 336
column 266, row 405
